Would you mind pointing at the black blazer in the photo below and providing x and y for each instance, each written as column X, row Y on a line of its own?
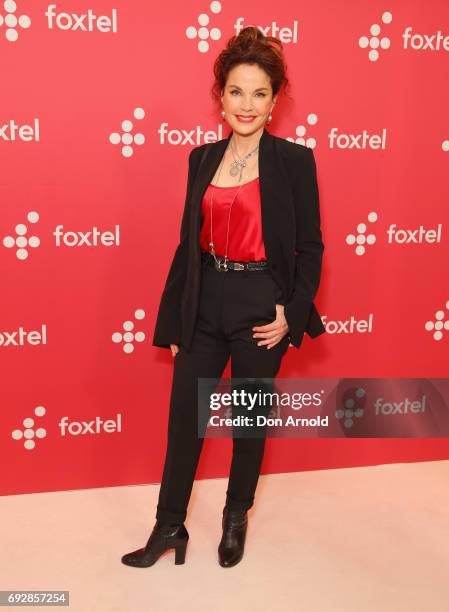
column 291, row 235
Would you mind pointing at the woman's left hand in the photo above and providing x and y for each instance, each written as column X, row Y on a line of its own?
column 272, row 333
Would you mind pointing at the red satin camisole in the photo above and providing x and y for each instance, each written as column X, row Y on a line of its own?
column 245, row 226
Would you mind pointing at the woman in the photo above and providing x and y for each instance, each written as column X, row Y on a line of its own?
column 240, row 285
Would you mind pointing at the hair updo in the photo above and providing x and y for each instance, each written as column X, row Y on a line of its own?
column 251, row 46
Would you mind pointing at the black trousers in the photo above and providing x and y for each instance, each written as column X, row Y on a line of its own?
column 231, row 303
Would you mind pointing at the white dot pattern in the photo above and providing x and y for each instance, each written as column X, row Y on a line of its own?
column 350, row 409
column 440, row 323
column 28, row 433
column 373, row 42
column 301, row 130
column 12, row 21
column 202, row 32
column 20, row 240
column 362, row 238
column 129, row 336
column 126, row 138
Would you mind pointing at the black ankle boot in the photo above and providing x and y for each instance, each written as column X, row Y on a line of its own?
column 162, row 538
column 230, row 549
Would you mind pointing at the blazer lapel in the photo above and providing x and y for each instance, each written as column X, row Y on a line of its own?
column 275, row 199
column 208, row 166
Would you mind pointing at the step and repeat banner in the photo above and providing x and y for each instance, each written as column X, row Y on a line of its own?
column 101, row 104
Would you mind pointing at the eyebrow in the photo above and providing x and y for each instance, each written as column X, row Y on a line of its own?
column 258, row 89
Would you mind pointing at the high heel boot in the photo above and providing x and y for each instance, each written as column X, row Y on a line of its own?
column 162, row 538
column 231, row 547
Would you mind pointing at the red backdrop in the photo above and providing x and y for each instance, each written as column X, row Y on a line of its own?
column 100, row 106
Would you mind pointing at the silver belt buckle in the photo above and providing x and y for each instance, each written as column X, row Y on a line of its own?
column 238, row 266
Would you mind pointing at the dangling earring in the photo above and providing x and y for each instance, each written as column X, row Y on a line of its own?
column 222, row 114
column 269, row 118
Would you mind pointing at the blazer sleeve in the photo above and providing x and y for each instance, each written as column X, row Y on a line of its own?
column 168, row 323
column 309, row 248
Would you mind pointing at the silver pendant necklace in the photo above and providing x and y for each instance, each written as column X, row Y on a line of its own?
column 238, row 164
column 236, row 167
column 221, row 266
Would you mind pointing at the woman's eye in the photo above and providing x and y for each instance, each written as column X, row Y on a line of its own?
column 260, row 93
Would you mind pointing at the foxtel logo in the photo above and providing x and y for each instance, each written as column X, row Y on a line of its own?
column 94, row 237
column 284, row 33
column 415, row 236
column 72, row 21
column 21, row 336
column 434, row 42
column 11, row 131
column 22, row 241
column 188, row 137
column 364, row 140
column 350, row 326
column 390, row 408
column 95, row 427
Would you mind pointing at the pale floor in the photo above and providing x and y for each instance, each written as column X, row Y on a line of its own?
column 358, row 539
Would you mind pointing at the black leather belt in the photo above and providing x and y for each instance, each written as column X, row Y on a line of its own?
column 208, row 259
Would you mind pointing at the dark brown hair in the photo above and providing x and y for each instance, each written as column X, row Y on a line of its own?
column 251, row 46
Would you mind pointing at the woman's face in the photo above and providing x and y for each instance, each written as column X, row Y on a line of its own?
column 247, row 92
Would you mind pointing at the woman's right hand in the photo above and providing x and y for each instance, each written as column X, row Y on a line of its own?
column 174, row 349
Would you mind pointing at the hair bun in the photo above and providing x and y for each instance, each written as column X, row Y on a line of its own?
column 246, row 38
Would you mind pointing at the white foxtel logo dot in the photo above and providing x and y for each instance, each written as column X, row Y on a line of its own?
column 361, row 239
column 374, row 42
column 29, row 434
column 439, row 324
column 202, row 31
column 21, row 241
column 129, row 335
column 11, row 22
column 352, row 407
column 301, row 132
column 126, row 138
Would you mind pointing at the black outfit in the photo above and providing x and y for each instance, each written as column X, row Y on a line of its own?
column 210, row 314
column 291, row 235
column 230, row 304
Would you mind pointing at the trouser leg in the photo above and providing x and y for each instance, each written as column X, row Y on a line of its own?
column 183, row 443
column 254, row 295
column 207, row 358
column 248, row 451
